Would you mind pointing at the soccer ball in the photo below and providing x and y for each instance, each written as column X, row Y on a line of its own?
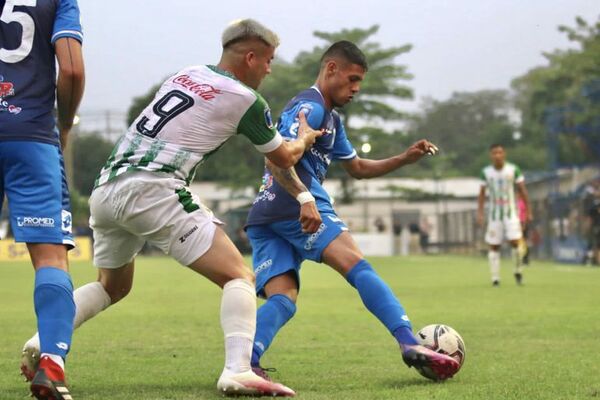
column 443, row 339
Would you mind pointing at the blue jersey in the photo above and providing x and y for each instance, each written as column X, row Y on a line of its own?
column 28, row 31
column 273, row 203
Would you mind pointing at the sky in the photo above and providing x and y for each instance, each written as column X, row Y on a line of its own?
column 459, row 45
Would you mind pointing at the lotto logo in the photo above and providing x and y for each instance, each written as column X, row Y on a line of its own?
column 38, row 222
column 62, row 346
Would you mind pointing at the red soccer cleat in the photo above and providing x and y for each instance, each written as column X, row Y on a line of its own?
column 432, row 365
column 49, row 382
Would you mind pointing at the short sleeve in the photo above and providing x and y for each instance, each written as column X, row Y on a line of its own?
column 519, row 178
column 257, row 125
column 289, row 122
column 67, row 22
column 483, row 178
column 342, row 148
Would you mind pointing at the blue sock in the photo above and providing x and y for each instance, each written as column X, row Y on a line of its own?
column 381, row 302
column 270, row 317
column 55, row 310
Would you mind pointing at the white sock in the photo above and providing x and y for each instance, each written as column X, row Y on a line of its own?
column 238, row 320
column 56, row 358
column 89, row 300
column 494, row 258
column 516, row 253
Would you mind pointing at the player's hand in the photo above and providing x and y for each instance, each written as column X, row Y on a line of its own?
column 419, row 149
column 305, row 132
column 310, row 219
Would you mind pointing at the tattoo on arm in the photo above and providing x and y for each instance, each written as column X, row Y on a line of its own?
column 288, row 179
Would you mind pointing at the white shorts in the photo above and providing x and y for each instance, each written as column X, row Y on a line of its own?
column 143, row 207
column 497, row 231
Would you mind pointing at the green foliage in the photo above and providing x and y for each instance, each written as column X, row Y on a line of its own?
column 90, row 152
column 565, row 82
column 463, row 127
column 80, row 210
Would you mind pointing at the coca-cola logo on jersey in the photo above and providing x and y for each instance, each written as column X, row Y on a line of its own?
column 206, row 91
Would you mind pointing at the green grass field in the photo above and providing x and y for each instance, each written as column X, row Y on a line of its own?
column 539, row 341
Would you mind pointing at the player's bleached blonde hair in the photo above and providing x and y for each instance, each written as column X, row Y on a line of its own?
column 241, row 29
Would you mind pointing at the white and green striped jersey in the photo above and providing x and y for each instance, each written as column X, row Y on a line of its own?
column 193, row 113
column 500, row 184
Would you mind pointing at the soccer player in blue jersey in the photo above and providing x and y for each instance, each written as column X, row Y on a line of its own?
column 292, row 218
column 33, row 35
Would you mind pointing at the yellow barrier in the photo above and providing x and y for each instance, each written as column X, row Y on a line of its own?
column 11, row 251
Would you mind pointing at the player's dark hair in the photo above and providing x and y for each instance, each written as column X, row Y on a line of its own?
column 347, row 51
column 495, row 145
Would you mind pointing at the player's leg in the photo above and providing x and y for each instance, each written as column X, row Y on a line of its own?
column 343, row 255
column 514, row 234
column 494, row 260
column 276, row 265
column 223, row 264
column 40, row 217
column 281, row 292
column 115, row 249
column 493, row 237
column 523, row 243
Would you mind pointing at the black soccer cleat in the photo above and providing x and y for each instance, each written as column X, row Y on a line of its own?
column 496, row 283
column 519, row 278
column 43, row 387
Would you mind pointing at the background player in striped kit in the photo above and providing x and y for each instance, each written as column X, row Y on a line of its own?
column 500, row 179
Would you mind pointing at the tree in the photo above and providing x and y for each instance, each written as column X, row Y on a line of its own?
column 464, row 126
column 90, row 153
column 560, row 102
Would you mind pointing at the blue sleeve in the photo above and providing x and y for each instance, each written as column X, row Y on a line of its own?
column 288, row 126
column 66, row 22
column 342, row 148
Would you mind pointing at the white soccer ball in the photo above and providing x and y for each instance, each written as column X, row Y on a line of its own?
column 443, row 339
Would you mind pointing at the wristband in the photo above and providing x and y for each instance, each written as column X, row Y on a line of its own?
column 305, row 197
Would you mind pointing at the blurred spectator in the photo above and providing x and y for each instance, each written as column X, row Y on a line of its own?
column 380, row 225
column 524, row 242
column 424, row 231
column 397, row 227
column 592, row 205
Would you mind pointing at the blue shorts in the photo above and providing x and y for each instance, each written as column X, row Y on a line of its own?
column 32, row 176
column 281, row 246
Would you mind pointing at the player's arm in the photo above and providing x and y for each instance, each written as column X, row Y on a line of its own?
column 480, row 205
column 70, row 83
column 363, row 168
column 525, row 196
column 310, row 219
column 289, row 152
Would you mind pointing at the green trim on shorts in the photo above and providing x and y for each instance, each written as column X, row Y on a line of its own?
column 186, row 200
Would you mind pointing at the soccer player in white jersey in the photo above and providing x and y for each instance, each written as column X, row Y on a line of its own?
column 141, row 195
column 500, row 179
